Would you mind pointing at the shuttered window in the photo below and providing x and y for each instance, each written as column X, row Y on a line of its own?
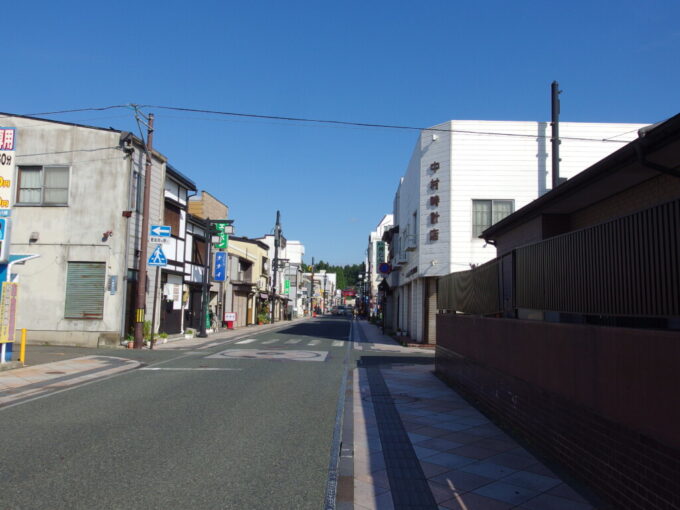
column 85, row 288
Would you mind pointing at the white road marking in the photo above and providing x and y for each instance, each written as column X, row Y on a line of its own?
column 247, row 341
column 337, row 343
column 270, row 354
column 191, row 369
column 294, row 341
column 208, row 346
column 267, row 342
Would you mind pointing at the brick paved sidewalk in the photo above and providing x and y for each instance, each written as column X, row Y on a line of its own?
column 30, row 382
column 418, row 444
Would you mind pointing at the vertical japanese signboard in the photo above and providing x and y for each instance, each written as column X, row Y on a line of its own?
column 221, row 229
column 286, row 286
column 7, row 163
column 7, row 156
column 8, row 311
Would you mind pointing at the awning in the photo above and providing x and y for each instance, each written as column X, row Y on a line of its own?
column 264, row 296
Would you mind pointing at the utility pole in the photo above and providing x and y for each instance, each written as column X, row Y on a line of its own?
column 555, row 123
column 206, row 279
column 277, row 243
column 311, row 292
column 143, row 249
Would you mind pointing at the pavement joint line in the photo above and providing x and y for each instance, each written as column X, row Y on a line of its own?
column 330, row 497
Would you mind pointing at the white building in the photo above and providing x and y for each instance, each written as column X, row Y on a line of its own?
column 288, row 276
column 376, row 255
column 464, row 176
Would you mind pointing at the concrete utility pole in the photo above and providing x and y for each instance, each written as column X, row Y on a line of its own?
column 311, row 292
column 555, row 111
column 277, row 243
column 143, row 249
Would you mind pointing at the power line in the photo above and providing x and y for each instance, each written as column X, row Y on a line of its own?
column 370, row 125
column 89, row 109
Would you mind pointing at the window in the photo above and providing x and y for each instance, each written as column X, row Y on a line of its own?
column 85, row 288
column 43, row 185
column 171, row 217
column 487, row 212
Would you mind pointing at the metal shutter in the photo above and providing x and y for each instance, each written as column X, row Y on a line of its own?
column 85, row 288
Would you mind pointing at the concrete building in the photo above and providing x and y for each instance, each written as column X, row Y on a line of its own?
column 248, row 285
column 78, row 206
column 288, row 299
column 376, row 255
column 463, row 177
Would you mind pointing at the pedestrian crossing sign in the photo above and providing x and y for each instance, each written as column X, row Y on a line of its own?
column 158, row 258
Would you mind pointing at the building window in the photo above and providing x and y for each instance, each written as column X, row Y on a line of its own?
column 171, row 217
column 85, row 289
column 43, row 185
column 487, row 212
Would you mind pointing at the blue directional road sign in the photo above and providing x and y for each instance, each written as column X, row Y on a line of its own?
column 220, row 266
column 3, row 225
column 157, row 258
column 159, row 230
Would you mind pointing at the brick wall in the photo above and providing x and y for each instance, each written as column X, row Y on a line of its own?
column 555, row 395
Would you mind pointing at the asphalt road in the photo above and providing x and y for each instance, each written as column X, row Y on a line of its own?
column 255, row 433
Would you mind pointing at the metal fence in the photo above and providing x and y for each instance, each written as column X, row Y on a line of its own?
column 625, row 267
column 475, row 291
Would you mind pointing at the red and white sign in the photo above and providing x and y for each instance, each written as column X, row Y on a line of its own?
column 7, row 156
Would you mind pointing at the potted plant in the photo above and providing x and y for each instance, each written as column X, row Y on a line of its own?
column 262, row 318
column 130, row 341
column 189, row 333
column 163, row 336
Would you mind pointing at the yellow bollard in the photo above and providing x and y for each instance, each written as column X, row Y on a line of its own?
column 22, row 352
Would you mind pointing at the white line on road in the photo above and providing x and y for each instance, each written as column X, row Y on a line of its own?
column 337, row 343
column 294, row 341
column 273, row 341
column 314, row 342
column 191, row 369
column 247, row 341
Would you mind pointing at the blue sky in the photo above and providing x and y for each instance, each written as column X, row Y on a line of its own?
column 389, row 62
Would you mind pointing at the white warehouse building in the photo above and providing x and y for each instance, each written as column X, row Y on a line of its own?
column 464, row 176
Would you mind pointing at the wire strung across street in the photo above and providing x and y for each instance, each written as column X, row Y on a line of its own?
column 137, row 107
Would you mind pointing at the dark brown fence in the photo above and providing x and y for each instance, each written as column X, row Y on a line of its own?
column 626, row 267
column 476, row 291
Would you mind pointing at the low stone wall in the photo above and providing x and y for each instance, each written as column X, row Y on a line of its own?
column 600, row 401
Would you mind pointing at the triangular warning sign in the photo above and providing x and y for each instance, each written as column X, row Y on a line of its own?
column 157, row 258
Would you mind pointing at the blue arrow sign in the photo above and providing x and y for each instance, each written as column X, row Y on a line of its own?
column 3, row 224
column 220, row 266
column 157, row 258
column 160, row 230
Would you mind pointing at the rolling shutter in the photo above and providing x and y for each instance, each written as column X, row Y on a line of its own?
column 85, row 288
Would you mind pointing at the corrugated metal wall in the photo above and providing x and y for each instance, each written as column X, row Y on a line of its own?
column 626, row 267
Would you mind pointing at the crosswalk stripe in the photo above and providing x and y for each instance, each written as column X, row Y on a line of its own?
column 294, row 341
column 273, row 341
column 314, row 342
column 337, row 343
column 247, row 341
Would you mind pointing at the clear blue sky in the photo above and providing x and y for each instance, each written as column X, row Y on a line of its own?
column 391, row 62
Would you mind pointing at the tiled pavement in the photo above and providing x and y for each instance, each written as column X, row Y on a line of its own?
column 465, row 461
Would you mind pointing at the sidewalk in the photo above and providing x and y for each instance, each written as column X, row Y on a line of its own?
column 31, row 382
column 418, row 444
